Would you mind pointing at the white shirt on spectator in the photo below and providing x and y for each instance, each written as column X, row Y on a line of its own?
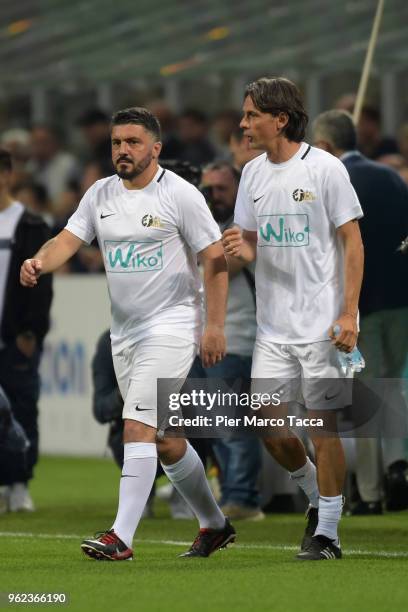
column 55, row 174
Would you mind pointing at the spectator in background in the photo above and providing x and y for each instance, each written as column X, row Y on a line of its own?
column 223, row 125
column 240, row 149
column 107, row 404
column 239, row 456
column 34, row 196
column 346, row 102
column 24, row 321
column 17, row 142
column 67, row 204
column 50, row 166
column 403, row 172
column 393, row 160
column 403, row 142
column 369, row 137
column 93, row 171
column 95, row 128
column 188, row 172
column 193, row 131
column 383, row 303
column 172, row 146
column 12, row 440
column 88, row 258
column 370, row 140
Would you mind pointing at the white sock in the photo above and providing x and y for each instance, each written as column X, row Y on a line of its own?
column 138, row 474
column 329, row 516
column 306, row 478
column 188, row 477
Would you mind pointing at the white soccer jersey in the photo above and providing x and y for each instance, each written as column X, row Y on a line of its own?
column 149, row 239
column 295, row 208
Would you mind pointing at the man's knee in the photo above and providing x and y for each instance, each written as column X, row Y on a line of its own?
column 135, row 431
column 171, row 450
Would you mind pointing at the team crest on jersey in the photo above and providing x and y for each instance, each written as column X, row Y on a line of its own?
column 303, row 195
column 150, row 221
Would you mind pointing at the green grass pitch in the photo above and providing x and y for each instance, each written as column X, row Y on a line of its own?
column 76, row 497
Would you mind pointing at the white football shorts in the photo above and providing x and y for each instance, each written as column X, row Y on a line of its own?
column 294, row 370
column 138, row 367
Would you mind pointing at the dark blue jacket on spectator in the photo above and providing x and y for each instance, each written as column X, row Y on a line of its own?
column 384, row 198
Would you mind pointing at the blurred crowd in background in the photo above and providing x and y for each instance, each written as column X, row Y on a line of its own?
column 50, row 177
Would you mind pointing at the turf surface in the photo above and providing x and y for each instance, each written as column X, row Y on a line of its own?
column 76, row 497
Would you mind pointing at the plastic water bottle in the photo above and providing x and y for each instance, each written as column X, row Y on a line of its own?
column 349, row 362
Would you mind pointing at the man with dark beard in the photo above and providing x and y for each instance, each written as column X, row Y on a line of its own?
column 239, row 456
column 151, row 225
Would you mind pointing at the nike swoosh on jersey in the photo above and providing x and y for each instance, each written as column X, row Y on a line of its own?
column 104, row 216
column 141, row 409
column 256, row 199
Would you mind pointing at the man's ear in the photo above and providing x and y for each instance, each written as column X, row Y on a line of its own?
column 283, row 120
column 157, row 147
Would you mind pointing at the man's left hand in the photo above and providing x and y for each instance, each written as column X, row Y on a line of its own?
column 346, row 340
column 213, row 345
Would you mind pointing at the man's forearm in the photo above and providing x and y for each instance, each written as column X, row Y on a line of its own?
column 353, row 276
column 57, row 251
column 216, row 290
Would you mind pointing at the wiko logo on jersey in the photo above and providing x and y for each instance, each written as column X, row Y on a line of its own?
column 303, row 195
column 124, row 256
column 286, row 230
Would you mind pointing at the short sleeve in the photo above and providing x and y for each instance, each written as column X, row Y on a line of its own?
column 244, row 208
column 196, row 222
column 339, row 196
column 81, row 223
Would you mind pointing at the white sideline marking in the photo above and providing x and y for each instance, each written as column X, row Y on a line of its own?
column 279, row 547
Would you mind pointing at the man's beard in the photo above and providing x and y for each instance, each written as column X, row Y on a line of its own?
column 137, row 169
column 222, row 212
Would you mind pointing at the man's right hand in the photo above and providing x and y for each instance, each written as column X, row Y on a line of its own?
column 232, row 241
column 30, row 272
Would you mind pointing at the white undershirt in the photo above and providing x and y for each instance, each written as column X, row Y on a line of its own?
column 9, row 219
